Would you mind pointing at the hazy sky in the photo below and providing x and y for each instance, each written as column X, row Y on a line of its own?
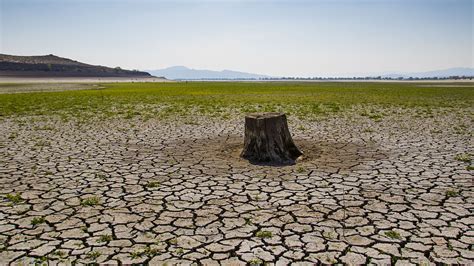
column 283, row 38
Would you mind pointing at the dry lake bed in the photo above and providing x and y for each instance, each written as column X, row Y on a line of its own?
column 150, row 173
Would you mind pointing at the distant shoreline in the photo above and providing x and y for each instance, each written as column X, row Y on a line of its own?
column 334, row 80
column 20, row 80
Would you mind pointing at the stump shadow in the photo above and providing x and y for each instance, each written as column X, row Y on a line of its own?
column 281, row 164
column 323, row 154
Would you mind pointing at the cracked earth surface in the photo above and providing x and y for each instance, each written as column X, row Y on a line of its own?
column 390, row 192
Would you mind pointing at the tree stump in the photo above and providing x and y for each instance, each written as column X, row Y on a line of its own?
column 268, row 140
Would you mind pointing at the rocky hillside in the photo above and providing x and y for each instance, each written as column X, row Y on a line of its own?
column 55, row 66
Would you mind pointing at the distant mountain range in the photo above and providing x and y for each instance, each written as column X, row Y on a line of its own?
column 182, row 72
column 444, row 73
column 185, row 73
column 55, row 66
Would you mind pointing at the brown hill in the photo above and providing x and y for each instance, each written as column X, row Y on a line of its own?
column 55, row 66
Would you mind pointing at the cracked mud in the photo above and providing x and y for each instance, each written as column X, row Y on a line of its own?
column 155, row 192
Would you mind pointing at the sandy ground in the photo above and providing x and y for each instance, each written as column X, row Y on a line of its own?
column 77, row 80
column 24, row 85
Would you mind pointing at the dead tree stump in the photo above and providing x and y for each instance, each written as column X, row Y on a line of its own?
column 268, row 140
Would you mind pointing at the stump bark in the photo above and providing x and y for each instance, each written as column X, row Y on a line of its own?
column 268, row 140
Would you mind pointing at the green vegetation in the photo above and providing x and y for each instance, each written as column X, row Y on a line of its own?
column 248, row 220
column 148, row 251
column 173, row 241
column 59, row 253
column 255, row 262
column 393, row 235
column 42, row 143
column 91, row 201
column 220, row 99
column 136, row 254
column 3, row 245
column 179, row 251
column 104, row 238
column 373, row 115
column 14, row 198
column 300, row 169
column 264, row 234
column 93, row 255
column 394, row 259
column 463, row 158
column 450, row 247
column 41, row 261
column 101, row 176
column 451, row 193
column 37, row 220
column 152, row 184
column 13, row 135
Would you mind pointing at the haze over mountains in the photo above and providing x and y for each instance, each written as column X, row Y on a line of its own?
column 185, row 73
column 55, row 66
column 182, row 72
column 450, row 72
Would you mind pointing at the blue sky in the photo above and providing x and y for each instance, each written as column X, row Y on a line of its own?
column 283, row 38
